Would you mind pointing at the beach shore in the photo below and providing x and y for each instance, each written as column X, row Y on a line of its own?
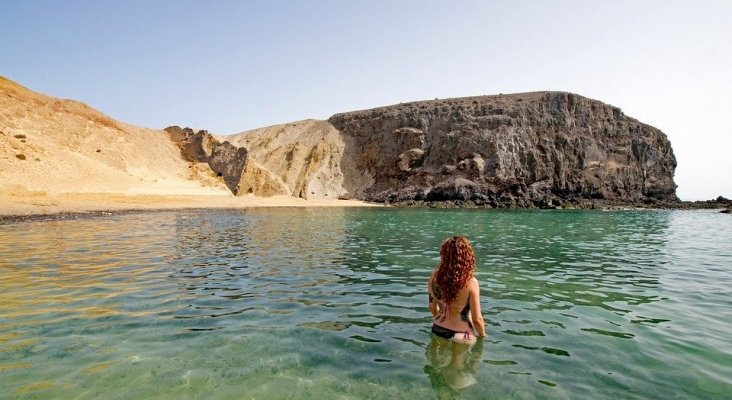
column 35, row 203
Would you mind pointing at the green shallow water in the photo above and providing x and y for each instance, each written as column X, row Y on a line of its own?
column 331, row 303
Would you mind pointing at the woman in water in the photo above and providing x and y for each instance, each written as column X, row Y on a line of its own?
column 454, row 294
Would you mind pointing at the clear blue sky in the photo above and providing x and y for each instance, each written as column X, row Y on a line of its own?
column 230, row 66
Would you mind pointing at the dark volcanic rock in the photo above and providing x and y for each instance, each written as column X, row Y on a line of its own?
column 224, row 159
column 719, row 202
column 194, row 146
column 229, row 162
column 532, row 149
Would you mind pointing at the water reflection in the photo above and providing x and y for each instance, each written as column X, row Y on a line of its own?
column 69, row 269
column 452, row 367
column 256, row 260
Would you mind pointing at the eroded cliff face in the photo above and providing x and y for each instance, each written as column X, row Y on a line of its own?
column 301, row 159
column 540, row 149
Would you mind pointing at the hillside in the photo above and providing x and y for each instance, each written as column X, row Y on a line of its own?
column 51, row 146
column 302, row 159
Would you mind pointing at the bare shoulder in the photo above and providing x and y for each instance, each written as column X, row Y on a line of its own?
column 473, row 284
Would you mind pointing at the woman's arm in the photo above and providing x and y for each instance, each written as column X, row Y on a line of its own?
column 434, row 306
column 475, row 312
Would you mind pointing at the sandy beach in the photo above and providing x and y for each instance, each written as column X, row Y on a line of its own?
column 29, row 203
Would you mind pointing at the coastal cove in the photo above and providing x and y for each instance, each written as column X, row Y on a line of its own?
column 365, row 200
column 331, row 302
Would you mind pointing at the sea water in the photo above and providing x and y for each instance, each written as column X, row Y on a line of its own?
column 330, row 303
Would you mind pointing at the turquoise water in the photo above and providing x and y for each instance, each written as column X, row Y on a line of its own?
column 331, row 303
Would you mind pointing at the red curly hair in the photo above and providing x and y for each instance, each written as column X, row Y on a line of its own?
column 457, row 265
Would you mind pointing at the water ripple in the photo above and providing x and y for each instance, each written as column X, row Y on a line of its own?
column 322, row 303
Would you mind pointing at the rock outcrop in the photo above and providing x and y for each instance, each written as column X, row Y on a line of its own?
column 532, row 149
column 542, row 149
column 301, row 159
column 225, row 160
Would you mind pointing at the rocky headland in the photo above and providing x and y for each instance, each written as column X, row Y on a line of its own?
column 540, row 149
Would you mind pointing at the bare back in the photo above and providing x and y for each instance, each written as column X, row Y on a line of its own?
column 455, row 315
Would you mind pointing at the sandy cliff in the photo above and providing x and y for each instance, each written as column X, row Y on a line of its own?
column 51, row 146
column 300, row 159
column 303, row 157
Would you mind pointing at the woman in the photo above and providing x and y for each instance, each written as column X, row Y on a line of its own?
column 454, row 294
